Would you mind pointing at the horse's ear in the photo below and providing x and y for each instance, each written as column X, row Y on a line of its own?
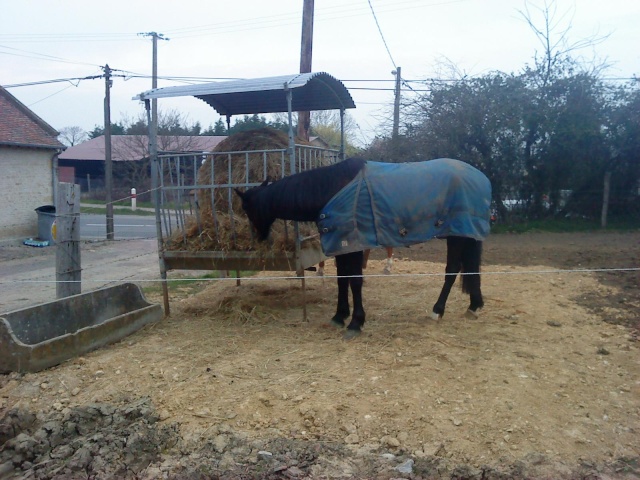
column 239, row 192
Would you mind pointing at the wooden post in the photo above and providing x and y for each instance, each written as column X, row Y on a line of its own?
column 306, row 54
column 108, row 163
column 67, row 237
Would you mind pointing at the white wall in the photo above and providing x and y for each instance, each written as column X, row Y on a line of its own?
column 25, row 183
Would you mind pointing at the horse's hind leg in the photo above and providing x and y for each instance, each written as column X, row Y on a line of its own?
column 454, row 265
column 471, row 259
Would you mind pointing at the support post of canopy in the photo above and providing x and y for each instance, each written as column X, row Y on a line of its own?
column 155, row 186
column 296, row 228
column 342, row 155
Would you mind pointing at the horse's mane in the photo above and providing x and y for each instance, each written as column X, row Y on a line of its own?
column 305, row 193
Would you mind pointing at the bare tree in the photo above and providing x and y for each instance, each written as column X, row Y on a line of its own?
column 71, row 136
column 552, row 31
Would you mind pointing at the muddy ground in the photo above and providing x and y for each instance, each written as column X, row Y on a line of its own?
column 234, row 385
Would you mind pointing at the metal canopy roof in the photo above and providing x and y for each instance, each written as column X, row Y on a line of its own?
column 310, row 91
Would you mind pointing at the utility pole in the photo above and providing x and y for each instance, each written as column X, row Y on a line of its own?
column 396, row 114
column 153, row 126
column 306, row 50
column 108, row 164
column 154, row 73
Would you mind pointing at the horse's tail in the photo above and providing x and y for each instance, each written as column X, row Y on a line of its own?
column 471, row 260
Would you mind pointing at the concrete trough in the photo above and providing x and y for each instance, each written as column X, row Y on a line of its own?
column 39, row 337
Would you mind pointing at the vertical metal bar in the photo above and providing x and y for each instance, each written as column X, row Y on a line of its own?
column 214, row 212
column 292, row 153
column 178, row 207
column 155, row 182
column 165, row 163
column 292, row 145
column 230, row 202
column 196, row 201
column 265, row 170
column 342, row 134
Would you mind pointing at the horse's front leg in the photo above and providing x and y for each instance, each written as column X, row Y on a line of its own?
column 449, row 280
column 342, row 310
column 351, row 268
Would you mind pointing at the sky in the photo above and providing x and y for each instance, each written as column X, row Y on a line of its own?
column 360, row 42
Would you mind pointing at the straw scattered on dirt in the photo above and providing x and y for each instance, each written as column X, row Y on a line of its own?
column 545, row 384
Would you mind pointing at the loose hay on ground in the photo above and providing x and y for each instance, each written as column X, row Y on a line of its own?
column 526, row 384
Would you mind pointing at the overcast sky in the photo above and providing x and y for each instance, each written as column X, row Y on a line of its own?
column 64, row 39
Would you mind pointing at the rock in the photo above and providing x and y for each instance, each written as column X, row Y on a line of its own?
column 350, row 428
column 390, row 441
column 6, row 468
column 294, row 472
column 80, row 460
column 406, row 467
column 220, row 443
column 352, row 438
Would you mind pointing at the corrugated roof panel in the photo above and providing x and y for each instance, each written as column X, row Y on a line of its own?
column 310, row 91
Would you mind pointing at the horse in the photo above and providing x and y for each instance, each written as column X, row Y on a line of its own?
column 456, row 195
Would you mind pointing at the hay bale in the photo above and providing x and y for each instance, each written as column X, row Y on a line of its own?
column 229, row 230
column 253, row 165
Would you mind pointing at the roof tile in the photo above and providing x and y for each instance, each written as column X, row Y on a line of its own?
column 20, row 126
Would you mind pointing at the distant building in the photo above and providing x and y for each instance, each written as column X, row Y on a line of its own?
column 29, row 148
column 84, row 163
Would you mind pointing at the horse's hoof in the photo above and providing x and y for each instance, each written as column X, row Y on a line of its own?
column 337, row 322
column 386, row 271
column 351, row 334
column 471, row 315
column 436, row 316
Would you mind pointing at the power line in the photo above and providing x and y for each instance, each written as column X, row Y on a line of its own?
column 381, row 35
column 41, row 56
column 126, row 74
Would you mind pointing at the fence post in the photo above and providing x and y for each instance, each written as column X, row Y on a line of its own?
column 67, row 238
column 133, row 199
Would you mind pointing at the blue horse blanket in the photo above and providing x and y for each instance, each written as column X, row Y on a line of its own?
column 401, row 204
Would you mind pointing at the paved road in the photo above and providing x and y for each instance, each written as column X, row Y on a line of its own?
column 27, row 274
column 94, row 226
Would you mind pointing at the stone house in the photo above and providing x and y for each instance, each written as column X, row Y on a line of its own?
column 29, row 150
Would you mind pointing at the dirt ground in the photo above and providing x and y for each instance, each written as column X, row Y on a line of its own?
column 234, row 384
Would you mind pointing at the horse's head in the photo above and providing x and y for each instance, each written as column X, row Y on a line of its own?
column 256, row 210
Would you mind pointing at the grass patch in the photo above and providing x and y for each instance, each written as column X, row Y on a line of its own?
column 566, row 225
column 116, row 211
